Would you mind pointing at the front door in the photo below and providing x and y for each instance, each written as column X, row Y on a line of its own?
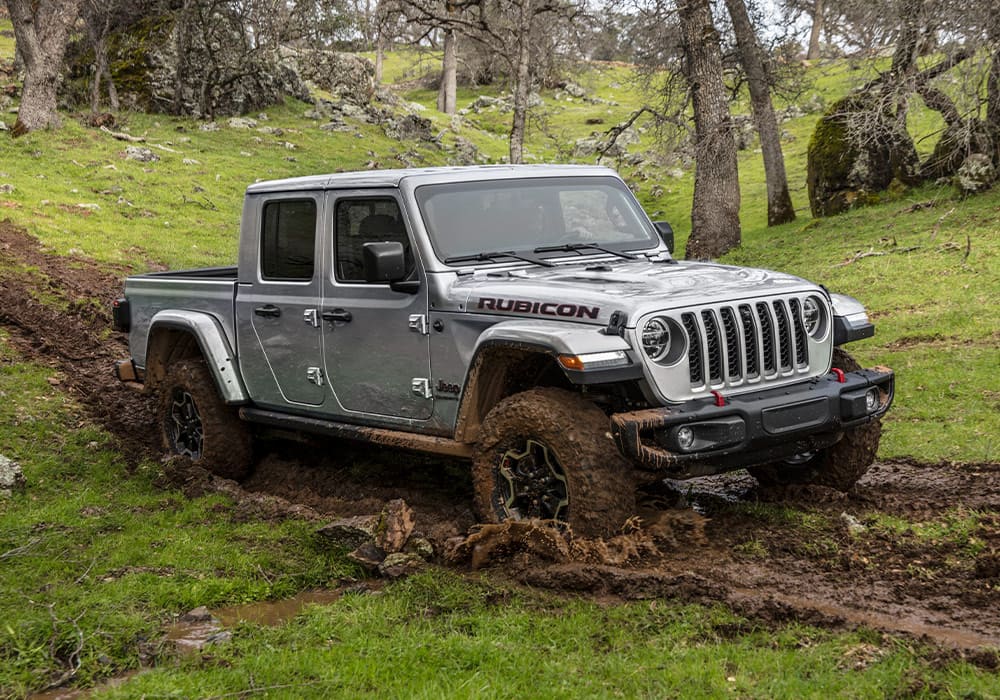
column 277, row 307
column 375, row 341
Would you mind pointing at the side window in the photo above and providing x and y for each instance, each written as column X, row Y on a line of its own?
column 361, row 221
column 288, row 240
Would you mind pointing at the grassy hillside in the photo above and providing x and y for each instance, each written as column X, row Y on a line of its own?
column 97, row 558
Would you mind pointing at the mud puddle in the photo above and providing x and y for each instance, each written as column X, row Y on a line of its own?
column 732, row 542
column 201, row 627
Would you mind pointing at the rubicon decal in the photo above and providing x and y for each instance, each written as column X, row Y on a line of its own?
column 548, row 308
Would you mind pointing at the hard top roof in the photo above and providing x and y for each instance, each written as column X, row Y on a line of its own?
column 392, row 178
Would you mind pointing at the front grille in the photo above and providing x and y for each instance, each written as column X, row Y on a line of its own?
column 731, row 343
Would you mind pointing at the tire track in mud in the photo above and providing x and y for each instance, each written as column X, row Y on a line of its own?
column 731, row 550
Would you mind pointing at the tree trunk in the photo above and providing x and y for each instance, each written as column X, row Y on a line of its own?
column 449, row 74
column 817, row 29
column 715, row 222
column 100, row 68
column 41, row 29
column 112, row 90
column 379, row 58
column 779, row 201
column 522, row 84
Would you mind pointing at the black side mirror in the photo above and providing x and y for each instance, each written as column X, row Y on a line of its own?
column 666, row 232
column 384, row 262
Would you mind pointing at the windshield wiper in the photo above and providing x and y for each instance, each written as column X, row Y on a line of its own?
column 577, row 247
column 489, row 257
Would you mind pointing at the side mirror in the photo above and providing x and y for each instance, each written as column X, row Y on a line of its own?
column 666, row 232
column 384, row 262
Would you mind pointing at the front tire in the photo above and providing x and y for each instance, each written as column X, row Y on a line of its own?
column 195, row 423
column 547, row 454
column 838, row 466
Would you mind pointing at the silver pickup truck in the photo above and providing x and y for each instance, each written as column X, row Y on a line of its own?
column 530, row 319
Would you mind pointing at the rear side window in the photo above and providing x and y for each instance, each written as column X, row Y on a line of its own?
column 288, row 240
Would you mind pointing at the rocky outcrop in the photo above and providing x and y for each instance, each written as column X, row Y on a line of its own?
column 344, row 75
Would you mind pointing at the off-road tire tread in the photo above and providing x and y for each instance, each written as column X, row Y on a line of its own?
column 599, row 480
column 838, row 466
column 227, row 446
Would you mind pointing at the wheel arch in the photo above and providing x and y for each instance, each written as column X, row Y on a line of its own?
column 513, row 356
column 176, row 335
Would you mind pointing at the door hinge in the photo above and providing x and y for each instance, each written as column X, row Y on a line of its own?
column 421, row 386
column 315, row 375
column 418, row 323
column 311, row 317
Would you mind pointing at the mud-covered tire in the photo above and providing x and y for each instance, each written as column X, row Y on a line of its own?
column 838, row 466
column 567, row 434
column 195, row 423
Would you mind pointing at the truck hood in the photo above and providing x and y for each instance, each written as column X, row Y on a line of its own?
column 591, row 291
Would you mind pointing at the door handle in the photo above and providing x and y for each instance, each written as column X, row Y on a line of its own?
column 268, row 311
column 337, row 315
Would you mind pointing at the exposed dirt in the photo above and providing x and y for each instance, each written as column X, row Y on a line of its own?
column 803, row 553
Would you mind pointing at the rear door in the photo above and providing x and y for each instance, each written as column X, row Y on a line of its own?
column 375, row 339
column 277, row 304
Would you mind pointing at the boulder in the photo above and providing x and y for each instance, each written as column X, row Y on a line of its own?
column 140, row 154
column 855, row 152
column 400, row 564
column 958, row 141
column 345, row 75
column 11, row 477
column 977, row 174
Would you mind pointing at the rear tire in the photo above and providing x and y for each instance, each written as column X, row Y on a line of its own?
column 547, row 454
column 195, row 423
column 838, row 466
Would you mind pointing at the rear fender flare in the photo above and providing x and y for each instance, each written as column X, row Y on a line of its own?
column 215, row 349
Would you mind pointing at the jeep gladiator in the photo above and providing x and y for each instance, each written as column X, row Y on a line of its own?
column 530, row 319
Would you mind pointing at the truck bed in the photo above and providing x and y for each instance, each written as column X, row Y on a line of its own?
column 211, row 290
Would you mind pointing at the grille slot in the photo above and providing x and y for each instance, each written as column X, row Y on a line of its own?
column 713, row 346
column 729, row 344
column 694, row 349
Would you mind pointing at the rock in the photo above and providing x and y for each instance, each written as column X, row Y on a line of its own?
column 190, row 161
column 420, row 546
column 242, row 123
column 409, row 126
column 199, row 614
column 853, row 525
column 573, row 89
column 585, row 147
column 395, row 526
column 3, row 126
column 208, row 126
column 953, row 148
column 335, row 126
column 88, row 206
column 400, row 564
column 142, row 155
column 855, row 152
column 6, row 188
column 349, row 76
column 368, row 556
column 977, row 174
column 350, row 532
column 466, row 152
column 11, row 477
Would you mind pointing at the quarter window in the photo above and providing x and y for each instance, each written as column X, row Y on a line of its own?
column 288, row 240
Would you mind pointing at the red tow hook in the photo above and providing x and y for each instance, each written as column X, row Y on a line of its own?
column 720, row 400
column 840, row 375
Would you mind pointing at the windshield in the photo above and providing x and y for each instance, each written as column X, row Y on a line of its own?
column 466, row 218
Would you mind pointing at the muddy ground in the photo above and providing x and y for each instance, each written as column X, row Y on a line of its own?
column 807, row 554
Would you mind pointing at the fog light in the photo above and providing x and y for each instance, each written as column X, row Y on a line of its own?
column 685, row 438
column 872, row 400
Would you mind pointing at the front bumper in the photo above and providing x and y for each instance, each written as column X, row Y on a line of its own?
column 754, row 428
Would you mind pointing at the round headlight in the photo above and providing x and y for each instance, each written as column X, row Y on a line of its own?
column 656, row 338
column 812, row 315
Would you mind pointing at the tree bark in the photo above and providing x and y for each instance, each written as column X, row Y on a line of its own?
column 522, row 83
column 449, row 73
column 817, row 30
column 779, row 201
column 41, row 30
column 715, row 223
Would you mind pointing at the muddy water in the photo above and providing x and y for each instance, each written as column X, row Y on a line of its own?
column 200, row 630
